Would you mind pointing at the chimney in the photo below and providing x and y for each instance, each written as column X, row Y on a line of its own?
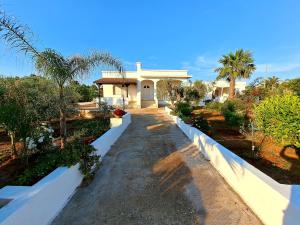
column 138, row 66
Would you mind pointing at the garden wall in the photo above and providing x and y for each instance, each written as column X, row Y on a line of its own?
column 272, row 202
column 40, row 203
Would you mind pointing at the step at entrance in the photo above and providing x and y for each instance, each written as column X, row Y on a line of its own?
column 148, row 104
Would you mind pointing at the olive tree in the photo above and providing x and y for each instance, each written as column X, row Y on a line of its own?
column 24, row 104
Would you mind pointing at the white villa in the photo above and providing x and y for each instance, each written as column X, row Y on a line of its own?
column 139, row 87
column 219, row 90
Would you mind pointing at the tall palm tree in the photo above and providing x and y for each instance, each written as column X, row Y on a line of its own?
column 239, row 64
column 62, row 70
column 52, row 64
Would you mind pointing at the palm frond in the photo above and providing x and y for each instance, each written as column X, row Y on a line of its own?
column 79, row 65
column 237, row 64
column 98, row 59
column 53, row 65
column 15, row 34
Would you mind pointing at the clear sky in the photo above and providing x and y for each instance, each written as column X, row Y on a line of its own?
column 163, row 34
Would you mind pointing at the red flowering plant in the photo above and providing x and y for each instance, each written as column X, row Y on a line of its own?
column 119, row 113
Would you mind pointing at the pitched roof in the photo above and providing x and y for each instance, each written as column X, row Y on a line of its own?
column 116, row 81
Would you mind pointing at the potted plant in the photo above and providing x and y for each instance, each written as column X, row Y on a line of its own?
column 118, row 113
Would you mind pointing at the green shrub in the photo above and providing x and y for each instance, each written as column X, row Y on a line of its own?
column 183, row 109
column 233, row 112
column 73, row 153
column 82, row 153
column 45, row 164
column 216, row 106
column 201, row 123
column 279, row 117
column 93, row 127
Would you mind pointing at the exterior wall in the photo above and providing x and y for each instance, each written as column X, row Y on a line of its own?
column 272, row 202
column 162, row 74
column 108, row 90
column 240, row 86
column 111, row 99
column 132, row 92
column 40, row 203
column 135, row 93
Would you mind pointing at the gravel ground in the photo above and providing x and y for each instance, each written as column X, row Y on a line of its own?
column 154, row 175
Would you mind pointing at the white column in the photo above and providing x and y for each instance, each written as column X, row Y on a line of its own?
column 155, row 92
column 138, row 94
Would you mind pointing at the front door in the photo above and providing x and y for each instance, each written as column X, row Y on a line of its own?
column 147, row 90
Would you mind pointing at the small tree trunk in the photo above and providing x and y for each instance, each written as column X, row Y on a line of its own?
column 14, row 153
column 62, row 118
column 231, row 88
column 123, row 102
column 26, row 153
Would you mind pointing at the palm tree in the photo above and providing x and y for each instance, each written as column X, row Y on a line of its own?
column 272, row 82
column 63, row 70
column 52, row 64
column 239, row 64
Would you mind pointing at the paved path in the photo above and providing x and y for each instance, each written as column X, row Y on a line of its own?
column 154, row 175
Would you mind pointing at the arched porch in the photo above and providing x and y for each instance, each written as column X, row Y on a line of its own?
column 148, row 96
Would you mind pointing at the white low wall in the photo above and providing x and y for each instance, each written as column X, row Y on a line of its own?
column 114, row 100
column 104, row 143
column 40, row 203
column 272, row 202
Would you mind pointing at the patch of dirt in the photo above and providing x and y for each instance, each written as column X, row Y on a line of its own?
column 282, row 163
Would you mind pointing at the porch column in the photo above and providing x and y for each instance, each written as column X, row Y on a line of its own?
column 138, row 94
column 155, row 92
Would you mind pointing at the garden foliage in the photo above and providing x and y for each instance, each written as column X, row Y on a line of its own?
column 46, row 162
column 201, row 123
column 279, row 117
column 92, row 127
column 216, row 106
column 183, row 110
column 233, row 112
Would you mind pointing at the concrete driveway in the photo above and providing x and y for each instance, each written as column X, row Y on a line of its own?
column 154, row 175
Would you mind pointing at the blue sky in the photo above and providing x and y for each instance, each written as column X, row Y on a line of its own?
column 168, row 34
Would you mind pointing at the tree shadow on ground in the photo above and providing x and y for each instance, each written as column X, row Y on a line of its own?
column 175, row 181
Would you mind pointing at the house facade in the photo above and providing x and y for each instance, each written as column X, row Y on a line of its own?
column 138, row 89
column 219, row 90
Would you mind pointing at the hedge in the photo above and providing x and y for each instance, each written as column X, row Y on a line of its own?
column 279, row 117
